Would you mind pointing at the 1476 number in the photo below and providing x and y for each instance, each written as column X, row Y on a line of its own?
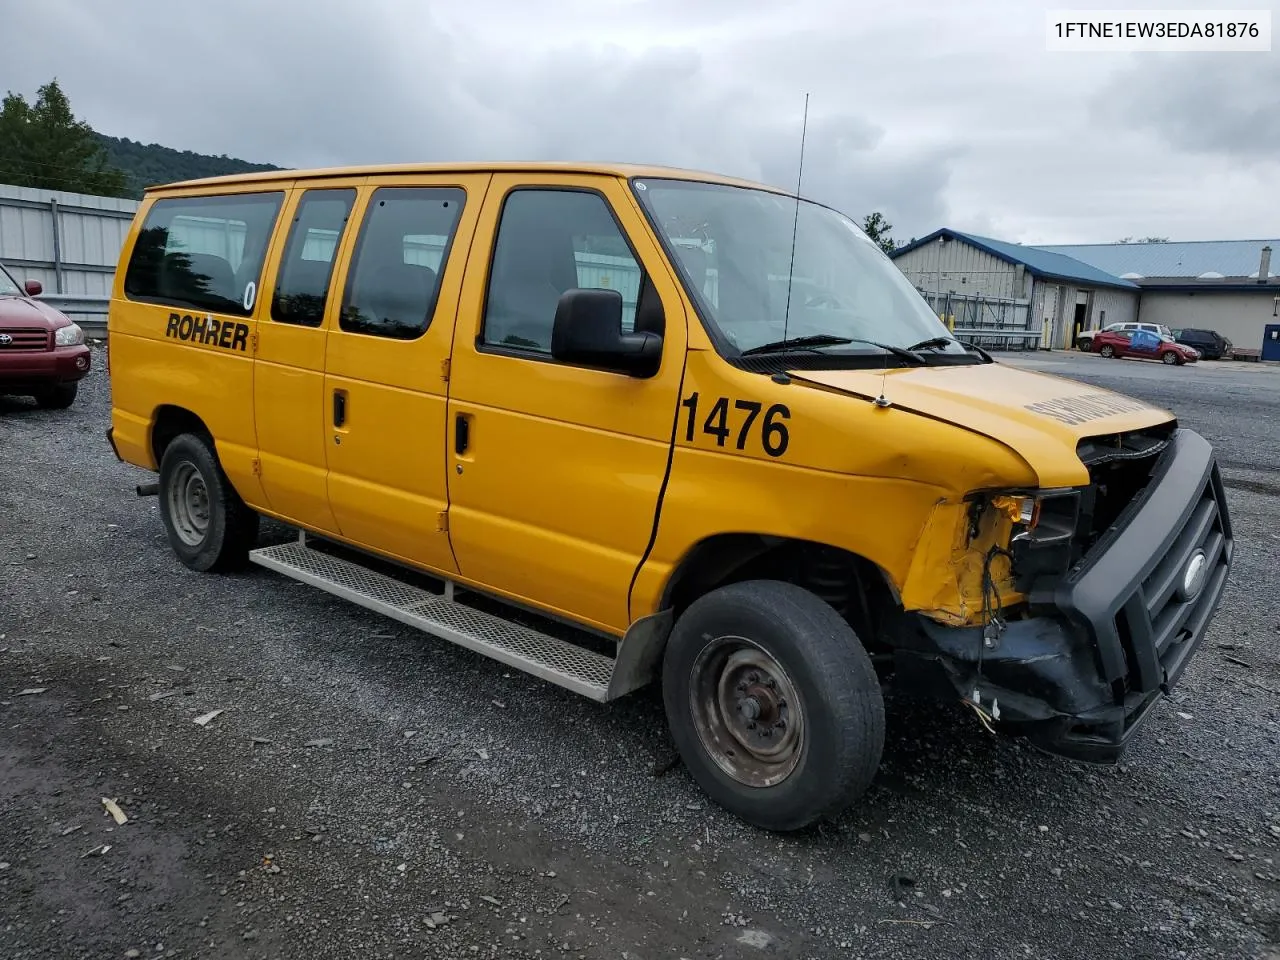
column 773, row 430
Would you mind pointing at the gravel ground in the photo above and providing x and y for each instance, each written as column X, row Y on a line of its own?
column 371, row 792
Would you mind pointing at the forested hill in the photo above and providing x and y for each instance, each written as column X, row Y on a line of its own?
column 150, row 163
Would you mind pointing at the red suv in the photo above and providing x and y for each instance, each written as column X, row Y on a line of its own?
column 42, row 353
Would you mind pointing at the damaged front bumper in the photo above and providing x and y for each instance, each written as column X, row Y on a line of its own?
column 1078, row 677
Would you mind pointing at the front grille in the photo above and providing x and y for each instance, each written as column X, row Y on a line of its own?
column 1125, row 595
column 24, row 338
column 1156, row 622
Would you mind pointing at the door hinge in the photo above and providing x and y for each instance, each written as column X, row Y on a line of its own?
column 253, row 339
column 444, row 369
column 257, row 467
column 442, row 521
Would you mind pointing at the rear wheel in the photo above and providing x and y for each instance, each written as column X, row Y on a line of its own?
column 1107, row 351
column 58, row 397
column 1169, row 357
column 208, row 525
column 773, row 703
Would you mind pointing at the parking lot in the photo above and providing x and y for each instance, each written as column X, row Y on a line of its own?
column 368, row 791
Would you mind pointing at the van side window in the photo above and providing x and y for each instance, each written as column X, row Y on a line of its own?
column 302, row 285
column 395, row 270
column 203, row 253
column 550, row 241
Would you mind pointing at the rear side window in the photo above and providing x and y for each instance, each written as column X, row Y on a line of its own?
column 307, row 266
column 395, row 271
column 203, row 253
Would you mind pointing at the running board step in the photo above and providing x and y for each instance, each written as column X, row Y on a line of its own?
column 575, row 668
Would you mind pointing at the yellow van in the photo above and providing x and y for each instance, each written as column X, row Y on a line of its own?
column 611, row 424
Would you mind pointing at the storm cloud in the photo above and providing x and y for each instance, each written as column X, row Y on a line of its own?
column 932, row 113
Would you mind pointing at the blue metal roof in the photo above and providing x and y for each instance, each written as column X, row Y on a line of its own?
column 1184, row 260
column 1039, row 262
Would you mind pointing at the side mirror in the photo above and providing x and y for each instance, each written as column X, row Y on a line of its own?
column 33, row 287
column 588, row 331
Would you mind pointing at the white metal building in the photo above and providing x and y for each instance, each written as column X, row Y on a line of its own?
column 1224, row 285
column 995, row 289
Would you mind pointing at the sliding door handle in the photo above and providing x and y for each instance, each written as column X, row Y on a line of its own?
column 339, row 407
column 461, row 434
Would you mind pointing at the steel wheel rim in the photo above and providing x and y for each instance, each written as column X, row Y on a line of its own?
column 1170, row 358
column 747, row 712
column 1106, row 351
column 189, row 504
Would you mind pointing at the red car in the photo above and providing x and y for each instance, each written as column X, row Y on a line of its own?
column 42, row 353
column 1142, row 345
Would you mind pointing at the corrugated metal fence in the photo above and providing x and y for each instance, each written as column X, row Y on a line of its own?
column 69, row 242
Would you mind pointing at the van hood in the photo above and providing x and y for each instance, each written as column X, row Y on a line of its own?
column 1040, row 417
column 25, row 312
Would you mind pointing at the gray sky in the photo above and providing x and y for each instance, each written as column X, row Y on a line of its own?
column 936, row 113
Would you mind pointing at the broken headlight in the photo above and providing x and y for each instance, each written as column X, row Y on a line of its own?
column 1042, row 542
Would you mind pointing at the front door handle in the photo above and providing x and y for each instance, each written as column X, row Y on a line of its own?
column 461, row 434
column 339, row 407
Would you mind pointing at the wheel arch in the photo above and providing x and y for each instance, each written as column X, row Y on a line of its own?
column 856, row 585
column 170, row 421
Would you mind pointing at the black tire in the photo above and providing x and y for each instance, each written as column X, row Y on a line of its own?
column 229, row 529
column 1107, row 351
column 839, row 725
column 58, row 397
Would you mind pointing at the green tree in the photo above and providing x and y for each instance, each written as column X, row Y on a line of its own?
column 43, row 145
column 875, row 226
column 147, row 164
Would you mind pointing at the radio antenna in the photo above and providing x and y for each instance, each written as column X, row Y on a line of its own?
column 795, row 224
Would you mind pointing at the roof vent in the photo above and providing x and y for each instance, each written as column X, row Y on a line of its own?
column 1210, row 275
column 1264, row 266
column 1132, row 276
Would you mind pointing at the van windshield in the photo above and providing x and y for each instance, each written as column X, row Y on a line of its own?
column 733, row 247
column 8, row 286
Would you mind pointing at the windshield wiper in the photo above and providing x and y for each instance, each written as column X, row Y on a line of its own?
column 988, row 358
column 814, row 340
column 829, row 340
column 939, row 342
column 933, row 342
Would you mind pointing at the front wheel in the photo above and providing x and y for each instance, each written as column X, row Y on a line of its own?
column 773, row 704
column 1169, row 357
column 1107, row 351
column 208, row 525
